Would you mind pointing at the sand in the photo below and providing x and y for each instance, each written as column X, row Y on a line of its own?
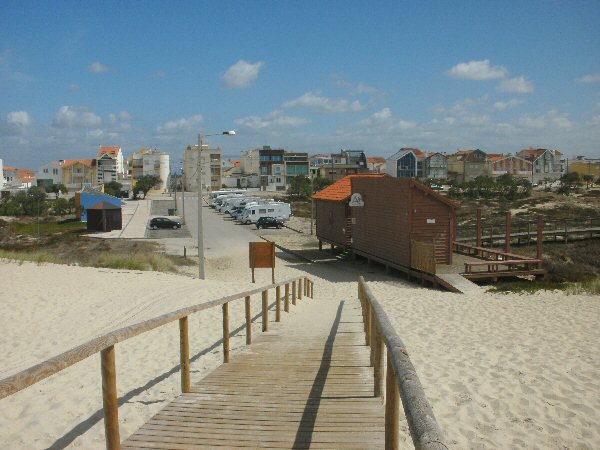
column 501, row 371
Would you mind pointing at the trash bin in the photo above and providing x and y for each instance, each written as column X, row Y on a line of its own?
column 172, row 211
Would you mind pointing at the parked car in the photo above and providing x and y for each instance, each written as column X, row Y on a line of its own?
column 269, row 222
column 164, row 222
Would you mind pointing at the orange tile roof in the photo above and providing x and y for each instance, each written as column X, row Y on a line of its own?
column 85, row 162
column 342, row 189
column 112, row 151
column 375, row 159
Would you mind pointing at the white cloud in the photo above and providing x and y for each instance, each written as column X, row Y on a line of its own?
column 75, row 117
column 501, row 106
column 519, row 85
column 181, row 126
column 591, row 78
column 18, row 118
column 98, row 67
column 383, row 122
column 552, row 120
column 477, row 70
column 354, row 89
column 121, row 116
column 274, row 120
column 385, row 113
column 242, row 74
column 324, row 104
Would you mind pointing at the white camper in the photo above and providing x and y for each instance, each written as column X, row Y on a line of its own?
column 278, row 210
column 214, row 194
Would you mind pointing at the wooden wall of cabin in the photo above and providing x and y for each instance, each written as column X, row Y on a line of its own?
column 331, row 220
column 381, row 226
column 432, row 221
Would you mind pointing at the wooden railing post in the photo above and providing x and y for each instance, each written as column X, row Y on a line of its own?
column 110, row 400
column 378, row 365
column 225, row 332
column 248, row 321
column 184, row 354
column 312, row 292
column 373, row 336
column 294, row 292
column 299, row 288
column 278, row 304
column 286, row 304
column 265, row 310
column 392, row 405
column 367, row 323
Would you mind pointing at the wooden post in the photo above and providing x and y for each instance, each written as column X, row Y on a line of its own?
column 378, row 366
column 299, row 288
column 253, row 275
column 248, row 321
column 540, row 238
column 312, row 291
column 373, row 336
column 507, row 233
column 294, row 292
column 278, row 304
column 265, row 310
column 110, row 400
column 367, row 323
column 273, row 275
column 392, row 405
column 184, row 354
column 491, row 236
column 286, row 304
column 225, row 332
column 479, row 229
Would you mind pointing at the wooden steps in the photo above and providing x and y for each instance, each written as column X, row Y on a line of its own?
column 294, row 389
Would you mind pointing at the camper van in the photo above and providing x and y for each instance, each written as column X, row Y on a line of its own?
column 239, row 213
column 279, row 210
column 214, row 194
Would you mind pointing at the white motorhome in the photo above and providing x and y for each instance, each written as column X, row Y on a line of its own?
column 214, row 194
column 278, row 210
column 221, row 201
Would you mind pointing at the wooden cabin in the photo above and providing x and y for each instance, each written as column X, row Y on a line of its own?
column 104, row 216
column 379, row 216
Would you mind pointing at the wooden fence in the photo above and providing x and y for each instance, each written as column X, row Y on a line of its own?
column 105, row 345
column 401, row 380
column 422, row 256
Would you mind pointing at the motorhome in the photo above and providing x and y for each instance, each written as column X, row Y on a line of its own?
column 214, row 194
column 222, row 200
column 278, row 210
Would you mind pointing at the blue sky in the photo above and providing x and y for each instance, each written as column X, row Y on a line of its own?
column 306, row 76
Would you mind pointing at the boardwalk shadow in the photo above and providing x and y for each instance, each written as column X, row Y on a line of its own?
column 98, row 416
column 311, row 409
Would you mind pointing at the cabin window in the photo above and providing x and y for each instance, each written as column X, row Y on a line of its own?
column 262, row 211
column 270, row 210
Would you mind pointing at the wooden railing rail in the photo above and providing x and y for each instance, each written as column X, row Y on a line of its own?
column 401, row 380
column 105, row 345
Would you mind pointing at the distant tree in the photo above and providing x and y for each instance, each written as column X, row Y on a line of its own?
column 57, row 189
column 113, row 188
column 569, row 182
column 588, row 179
column 145, row 183
column 320, row 183
column 61, row 206
column 11, row 207
column 300, row 186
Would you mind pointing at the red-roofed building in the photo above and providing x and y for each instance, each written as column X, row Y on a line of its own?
column 110, row 164
column 376, row 164
column 14, row 177
column 546, row 163
column 79, row 173
column 378, row 216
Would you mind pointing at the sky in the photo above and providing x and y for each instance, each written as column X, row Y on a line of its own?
column 307, row 76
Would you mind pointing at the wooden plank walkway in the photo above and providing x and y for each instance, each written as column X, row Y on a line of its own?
column 300, row 386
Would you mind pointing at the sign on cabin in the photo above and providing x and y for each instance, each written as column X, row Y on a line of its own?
column 262, row 256
column 356, row 200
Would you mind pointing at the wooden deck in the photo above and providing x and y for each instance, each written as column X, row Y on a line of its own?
column 295, row 388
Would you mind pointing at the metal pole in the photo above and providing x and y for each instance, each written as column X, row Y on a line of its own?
column 201, row 274
column 183, row 197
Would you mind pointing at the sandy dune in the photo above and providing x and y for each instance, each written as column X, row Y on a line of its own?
column 501, row 371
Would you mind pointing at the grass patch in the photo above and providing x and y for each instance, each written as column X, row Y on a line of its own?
column 46, row 228
column 39, row 256
column 530, row 287
column 132, row 262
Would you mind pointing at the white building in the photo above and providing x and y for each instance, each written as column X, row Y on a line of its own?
column 1, row 175
column 49, row 174
column 150, row 162
column 211, row 168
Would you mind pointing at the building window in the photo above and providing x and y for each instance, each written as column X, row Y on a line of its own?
column 45, row 170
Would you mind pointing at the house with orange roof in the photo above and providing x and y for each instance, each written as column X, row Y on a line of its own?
column 16, row 178
column 376, row 164
column 378, row 217
column 79, row 173
column 110, row 164
column 547, row 163
column 509, row 165
column 466, row 165
column 346, row 162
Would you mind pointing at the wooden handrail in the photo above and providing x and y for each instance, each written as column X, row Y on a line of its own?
column 34, row 374
column 424, row 429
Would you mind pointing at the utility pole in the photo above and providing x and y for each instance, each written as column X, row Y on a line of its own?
column 201, row 273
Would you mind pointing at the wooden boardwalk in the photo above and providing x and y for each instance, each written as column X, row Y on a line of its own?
column 298, row 386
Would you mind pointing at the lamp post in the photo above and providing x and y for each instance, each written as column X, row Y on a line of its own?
column 201, row 272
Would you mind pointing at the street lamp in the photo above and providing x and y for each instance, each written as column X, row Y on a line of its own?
column 201, row 272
